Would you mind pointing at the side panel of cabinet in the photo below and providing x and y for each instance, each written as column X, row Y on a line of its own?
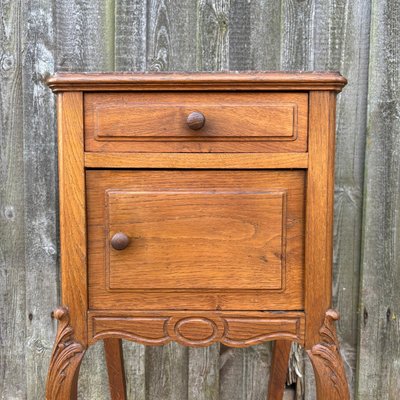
column 319, row 214
column 72, row 210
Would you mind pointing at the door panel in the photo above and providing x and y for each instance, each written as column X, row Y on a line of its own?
column 196, row 239
column 218, row 239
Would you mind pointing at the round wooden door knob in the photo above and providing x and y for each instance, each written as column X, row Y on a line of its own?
column 119, row 241
column 196, row 120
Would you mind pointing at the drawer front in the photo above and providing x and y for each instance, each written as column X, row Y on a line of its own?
column 199, row 239
column 238, row 122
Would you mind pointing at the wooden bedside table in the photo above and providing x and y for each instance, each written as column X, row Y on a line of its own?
column 196, row 208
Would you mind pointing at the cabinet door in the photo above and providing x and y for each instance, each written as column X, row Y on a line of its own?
column 196, row 239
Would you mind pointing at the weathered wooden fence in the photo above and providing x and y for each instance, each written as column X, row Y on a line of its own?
column 358, row 37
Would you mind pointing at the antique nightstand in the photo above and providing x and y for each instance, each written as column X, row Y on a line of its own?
column 196, row 208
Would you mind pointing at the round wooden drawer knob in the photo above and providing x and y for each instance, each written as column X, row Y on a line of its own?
column 119, row 241
column 196, row 120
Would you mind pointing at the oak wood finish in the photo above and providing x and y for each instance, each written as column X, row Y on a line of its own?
column 319, row 213
column 221, row 239
column 236, row 122
column 62, row 381
column 279, row 369
column 196, row 328
column 72, row 210
column 115, row 368
column 273, row 80
column 327, row 362
column 195, row 247
column 127, row 35
column 197, row 160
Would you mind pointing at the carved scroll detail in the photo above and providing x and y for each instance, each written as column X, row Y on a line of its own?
column 65, row 359
column 197, row 328
column 327, row 362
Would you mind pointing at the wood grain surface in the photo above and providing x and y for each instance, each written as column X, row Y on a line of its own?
column 280, row 81
column 197, row 160
column 196, row 328
column 83, row 34
column 345, row 45
column 379, row 334
column 234, row 122
column 279, row 369
column 72, row 211
column 127, row 202
column 66, row 357
column 40, row 203
column 12, row 220
column 115, row 368
column 330, row 375
column 205, row 35
column 319, row 222
column 195, row 238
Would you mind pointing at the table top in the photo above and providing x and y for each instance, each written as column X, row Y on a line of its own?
column 247, row 80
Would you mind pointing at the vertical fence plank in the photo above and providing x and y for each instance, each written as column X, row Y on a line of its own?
column 134, row 361
column 280, row 38
column 344, row 46
column 170, row 47
column 85, row 35
column 166, row 372
column 265, row 34
column 131, row 55
column 296, row 34
column 40, row 181
column 159, row 49
column 244, row 373
column 183, row 20
column 212, row 35
column 379, row 365
column 12, row 246
column 203, row 382
column 130, row 35
column 239, row 37
column 85, row 42
column 210, row 49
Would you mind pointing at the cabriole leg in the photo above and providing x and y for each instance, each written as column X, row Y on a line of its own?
column 330, row 375
column 62, row 380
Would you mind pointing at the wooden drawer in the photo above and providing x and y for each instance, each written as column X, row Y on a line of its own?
column 234, row 122
column 203, row 239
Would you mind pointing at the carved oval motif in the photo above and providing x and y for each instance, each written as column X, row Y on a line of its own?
column 196, row 330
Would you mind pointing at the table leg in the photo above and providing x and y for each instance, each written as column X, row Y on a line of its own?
column 330, row 375
column 115, row 368
column 62, row 379
column 279, row 368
